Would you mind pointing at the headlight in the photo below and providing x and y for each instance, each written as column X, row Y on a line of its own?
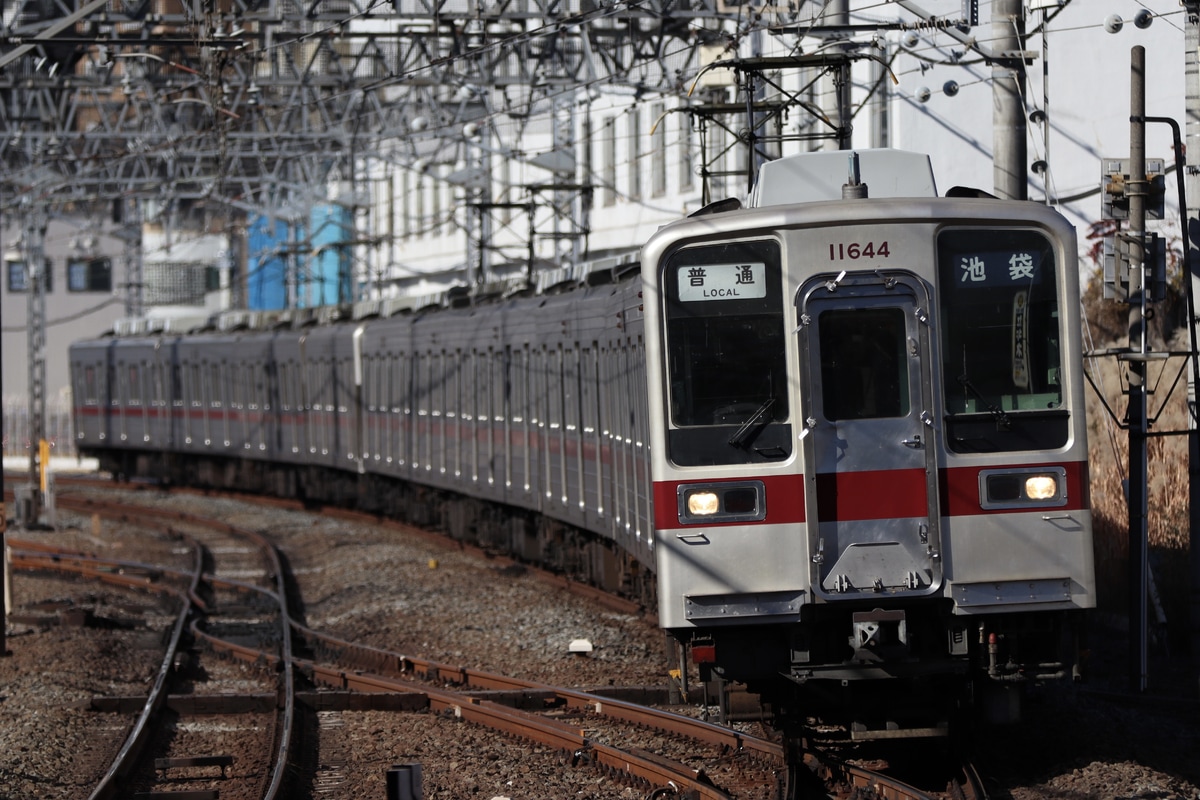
column 735, row 501
column 703, row 503
column 1041, row 487
column 1026, row 487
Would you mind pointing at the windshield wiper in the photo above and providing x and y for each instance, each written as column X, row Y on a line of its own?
column 743, row 433
column 995, row 410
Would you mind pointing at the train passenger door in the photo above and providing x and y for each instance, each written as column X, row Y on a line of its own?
column 869, row 437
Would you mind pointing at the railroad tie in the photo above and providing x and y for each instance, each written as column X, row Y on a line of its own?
column 222, row 761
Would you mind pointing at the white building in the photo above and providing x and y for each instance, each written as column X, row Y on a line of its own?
column 640, row 151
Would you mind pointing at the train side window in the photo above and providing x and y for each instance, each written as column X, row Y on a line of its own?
column 134, row 386
column 214, row 372
column 1000, row 339
column 90, row 394
column 725, row 353
column 159, row 400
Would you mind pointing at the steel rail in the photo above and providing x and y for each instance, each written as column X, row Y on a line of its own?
column 127, row 513
column 368, row 657
column 154, row 702
column 643, row 768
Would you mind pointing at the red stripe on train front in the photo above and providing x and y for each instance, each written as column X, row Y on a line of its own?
column 784, row 493
column 959, row 489
column 877, row 494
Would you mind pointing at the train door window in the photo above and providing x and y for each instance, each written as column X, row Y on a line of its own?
column 618, row 375
column 589, row 409
column 471, row 418
column 235, row 417
column 387, row 403
column 425, row 431
column 726, row 366
column 317, row 403
column 1001, row 340
column 568, row 379
column 197, row 392
column 637, row 454
column 158, row 399
column 553, row 392
column 864, row 363
column 285, row 389
column 459, row 405
column 537, row 416
column 418, row 407
column 176, row 384
column 91, row 396
column 373, row 391
column 440, row 401
column 606, row 388
column 328, row 399
column 492, row 407
column 402, row 409
column 310, row 405
column 253, row 385
column 515, row 414
column 133, row 386
column 214, row 381
column 575, row 421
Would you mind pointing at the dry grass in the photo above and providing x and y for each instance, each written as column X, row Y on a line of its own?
column 1167, row 464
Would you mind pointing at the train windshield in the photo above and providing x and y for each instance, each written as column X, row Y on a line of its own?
column 1000, row 339
column 727, row 373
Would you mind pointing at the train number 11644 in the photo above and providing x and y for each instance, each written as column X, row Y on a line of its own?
column 841, row 251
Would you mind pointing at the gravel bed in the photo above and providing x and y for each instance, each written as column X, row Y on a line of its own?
column 367, row 583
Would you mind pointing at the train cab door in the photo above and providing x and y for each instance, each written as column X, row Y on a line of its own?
column 868, row 438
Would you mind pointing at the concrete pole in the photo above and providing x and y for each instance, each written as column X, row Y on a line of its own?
column 35, row 270
column 837, row 12
column 1138, row 502
column 1009, row 148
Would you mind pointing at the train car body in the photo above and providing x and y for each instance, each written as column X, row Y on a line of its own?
column 870, row 472
column 517, row 421
column 838, row 438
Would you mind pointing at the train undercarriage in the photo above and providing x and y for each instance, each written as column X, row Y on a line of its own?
column 522, row 534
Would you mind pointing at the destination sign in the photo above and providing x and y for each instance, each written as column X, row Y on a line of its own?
column 743, row 281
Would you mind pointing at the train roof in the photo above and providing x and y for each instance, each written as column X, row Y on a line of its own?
column 602, row 271
column 813, row 177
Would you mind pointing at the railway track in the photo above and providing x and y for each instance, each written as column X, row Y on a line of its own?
column 168, row 748
column 581, row 725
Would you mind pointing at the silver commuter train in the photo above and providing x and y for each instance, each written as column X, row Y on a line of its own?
column 845, row 447
column 869, row 457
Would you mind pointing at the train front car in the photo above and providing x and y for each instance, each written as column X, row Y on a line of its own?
column 869, row 456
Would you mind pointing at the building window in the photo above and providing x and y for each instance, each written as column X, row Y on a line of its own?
column 17, row 277
column 658, row 149
column 635, row 154
column 89, row 275
column 686, row 154
column 608, row 161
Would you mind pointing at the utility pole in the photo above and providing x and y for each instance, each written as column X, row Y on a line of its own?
column 837, row 13
column 1138, row 502
column 1191, row 227
column 35, row 271
column 131, row 232
column 1010, row 150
